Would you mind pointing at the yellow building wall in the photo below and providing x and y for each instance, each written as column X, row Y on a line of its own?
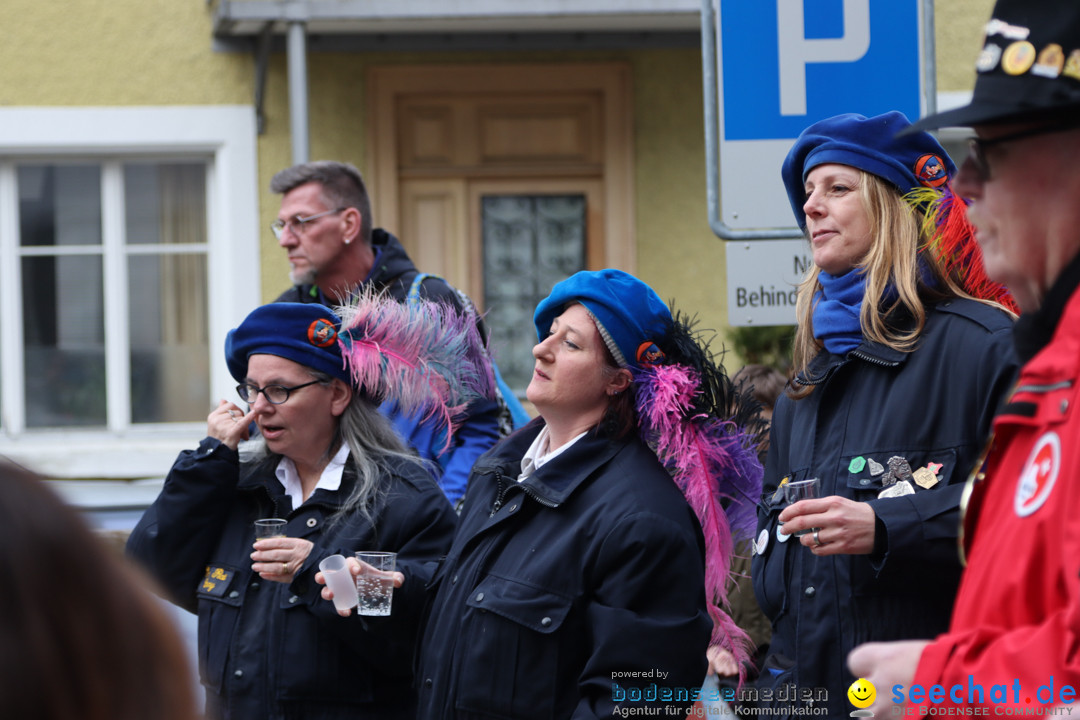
column 115, row 52
column 958, row 34
column 159, row 52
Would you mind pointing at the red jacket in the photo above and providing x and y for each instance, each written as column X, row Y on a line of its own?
column 1016, row 622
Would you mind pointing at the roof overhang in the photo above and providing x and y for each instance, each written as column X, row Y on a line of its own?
column 440, row 24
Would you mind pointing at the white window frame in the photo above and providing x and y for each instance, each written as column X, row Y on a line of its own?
column 226, row 136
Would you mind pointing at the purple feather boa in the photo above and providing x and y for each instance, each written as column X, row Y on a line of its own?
column 714, row 463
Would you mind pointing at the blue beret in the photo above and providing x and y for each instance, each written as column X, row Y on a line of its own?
column 629, row 315
column 306, row 333
column 871, row 144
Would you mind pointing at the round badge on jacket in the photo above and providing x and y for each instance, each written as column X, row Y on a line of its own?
column 1039, row 475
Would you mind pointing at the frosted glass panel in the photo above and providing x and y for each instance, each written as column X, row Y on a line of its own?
column 530, row 243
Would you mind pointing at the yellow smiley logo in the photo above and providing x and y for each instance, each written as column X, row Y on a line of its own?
column 861, row 694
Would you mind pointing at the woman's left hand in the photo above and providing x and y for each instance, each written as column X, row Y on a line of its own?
column 279, row 558
column 356, row 569
column 839, row 526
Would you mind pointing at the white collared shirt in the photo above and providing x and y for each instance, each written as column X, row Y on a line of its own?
column 537, row 455
column 329, row 480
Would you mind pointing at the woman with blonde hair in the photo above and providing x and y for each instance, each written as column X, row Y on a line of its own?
column 902, row 354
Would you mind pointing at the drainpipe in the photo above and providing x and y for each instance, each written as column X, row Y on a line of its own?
column 296, row 49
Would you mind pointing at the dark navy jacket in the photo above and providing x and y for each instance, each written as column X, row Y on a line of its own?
column 394, row 272
column 574, row 593
column 273, row 651
column 933, row 405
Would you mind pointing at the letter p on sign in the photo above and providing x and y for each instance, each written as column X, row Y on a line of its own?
column 797, row 51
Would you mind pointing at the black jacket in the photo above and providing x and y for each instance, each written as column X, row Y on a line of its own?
column 271, row 651
column 394, row 272
column 570, row 594
column 933, row 405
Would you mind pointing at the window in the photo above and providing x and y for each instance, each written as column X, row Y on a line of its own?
column 530, row 242
column 110, row 356
column 159, row 255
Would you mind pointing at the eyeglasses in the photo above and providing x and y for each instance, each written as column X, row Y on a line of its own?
column 274, row 394
column 979, row 145
column 297, row 224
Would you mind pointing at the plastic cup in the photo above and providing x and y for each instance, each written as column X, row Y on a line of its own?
column 270, row 527
column 375, row 584
column 801, row 490
column 338, row 578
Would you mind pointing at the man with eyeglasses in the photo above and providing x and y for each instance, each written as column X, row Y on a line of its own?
column 325, row 226
column 1014, row 639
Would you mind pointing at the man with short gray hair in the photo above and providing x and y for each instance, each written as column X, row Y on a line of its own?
column 326, row 228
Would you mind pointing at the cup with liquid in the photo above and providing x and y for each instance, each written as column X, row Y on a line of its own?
column 375, row 583
column 270, row 528
column 801, row 490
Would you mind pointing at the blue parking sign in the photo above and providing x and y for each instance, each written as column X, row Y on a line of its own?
column 789, row 63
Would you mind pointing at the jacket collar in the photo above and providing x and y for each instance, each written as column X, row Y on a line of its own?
column 826, row 362
column 555, row 481
column 258, row 477
column 391, row 260
column 1034, row 330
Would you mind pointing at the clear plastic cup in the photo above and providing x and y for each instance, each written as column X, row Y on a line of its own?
column 375, row 584
column 270, row 527
column 338, row 578
column 801, row 490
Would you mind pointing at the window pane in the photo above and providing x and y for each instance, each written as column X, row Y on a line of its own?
column 63, row 328
column 170, row 368
column 59, row 205
column 165, row 203
column 530, row 243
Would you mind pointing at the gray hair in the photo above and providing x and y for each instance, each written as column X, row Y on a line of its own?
column 373, row 445
column 342, row 187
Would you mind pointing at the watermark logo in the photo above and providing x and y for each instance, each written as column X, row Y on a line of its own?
column 862, row 694
column 974, row 698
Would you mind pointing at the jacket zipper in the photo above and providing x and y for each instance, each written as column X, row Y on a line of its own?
column 803, row 380
column 874, row 360
column 504, row 488
column 539, row 498
column 1044, row 388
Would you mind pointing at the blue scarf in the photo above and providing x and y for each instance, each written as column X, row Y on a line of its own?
column 836, row 310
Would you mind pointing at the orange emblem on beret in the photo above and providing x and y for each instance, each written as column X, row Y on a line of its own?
column 930, row 169
column 321, row 333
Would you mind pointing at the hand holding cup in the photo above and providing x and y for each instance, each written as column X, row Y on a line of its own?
column 802, row 490
column 357, row 569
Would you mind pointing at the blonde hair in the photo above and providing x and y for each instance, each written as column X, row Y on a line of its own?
column 893, row 260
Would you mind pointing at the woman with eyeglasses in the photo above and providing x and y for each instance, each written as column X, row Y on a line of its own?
column 329, row 463
column 902, row 354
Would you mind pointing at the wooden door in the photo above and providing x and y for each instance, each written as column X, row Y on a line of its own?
column 448, row 142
